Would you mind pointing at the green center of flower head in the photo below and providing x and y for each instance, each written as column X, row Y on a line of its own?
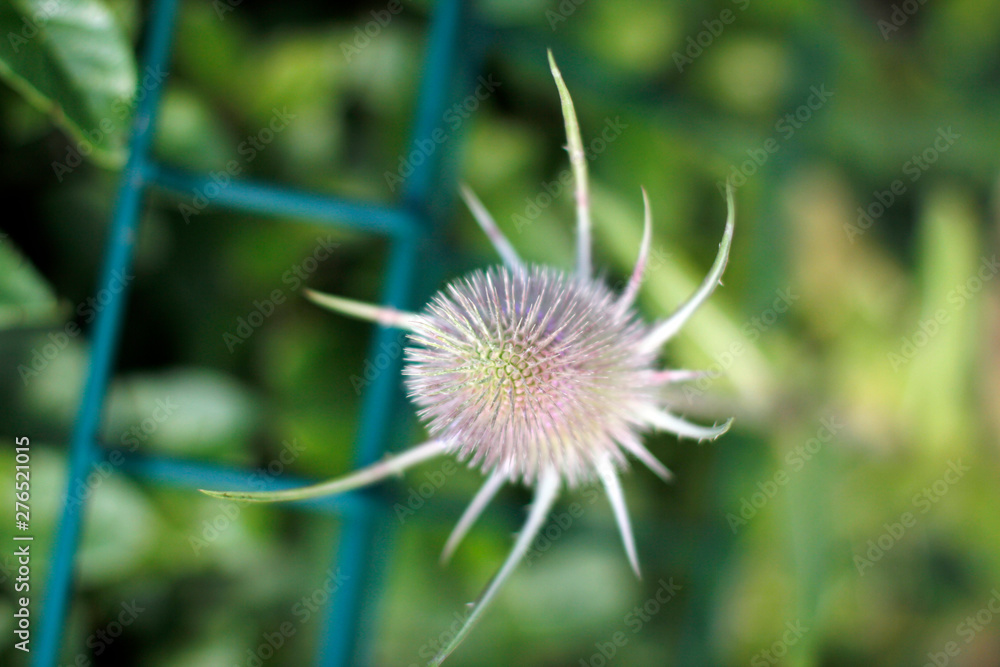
column 510, row 367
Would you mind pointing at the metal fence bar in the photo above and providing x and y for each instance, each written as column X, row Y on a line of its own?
column 186, row 474
column 356, row 557
column 407, row 226
column 83, row 452
column 268, row 199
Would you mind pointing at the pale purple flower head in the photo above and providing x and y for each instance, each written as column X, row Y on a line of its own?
column 528, row 369
column 534, row 375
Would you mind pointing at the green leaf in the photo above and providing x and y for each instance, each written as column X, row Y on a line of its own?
column 25, row 298
column 71, row 60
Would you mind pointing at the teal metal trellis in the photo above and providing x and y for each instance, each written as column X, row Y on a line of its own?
column 407, row 226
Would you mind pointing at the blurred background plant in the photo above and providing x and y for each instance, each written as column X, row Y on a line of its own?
column 847, row 519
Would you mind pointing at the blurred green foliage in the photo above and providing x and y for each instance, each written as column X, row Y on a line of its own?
column 883, row 321
column 71, row 60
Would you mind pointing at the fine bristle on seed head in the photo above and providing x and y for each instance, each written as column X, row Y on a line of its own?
column 524, row 370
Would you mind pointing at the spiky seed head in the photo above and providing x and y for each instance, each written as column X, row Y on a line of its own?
column 534, row 375
column 525, row 370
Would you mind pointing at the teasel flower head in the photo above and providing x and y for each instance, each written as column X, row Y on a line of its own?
column 534, row 375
